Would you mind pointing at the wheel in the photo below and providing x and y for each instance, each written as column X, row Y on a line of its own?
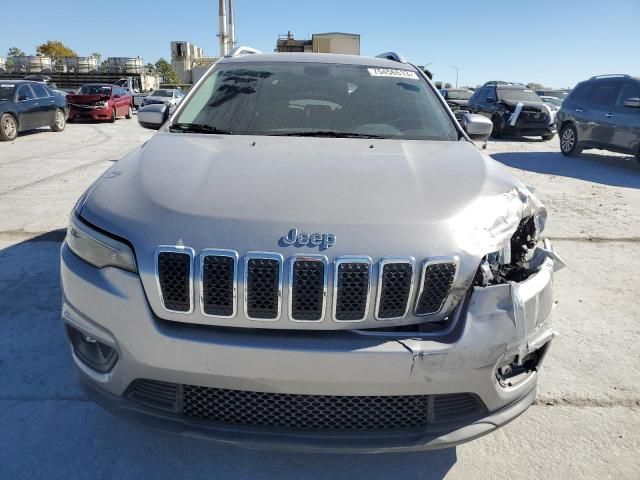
column 569, row 141
column 8, row 127
column 59, row 121
column 496, row 132
column 129, row 114
column 547, row 137
column 113, row 115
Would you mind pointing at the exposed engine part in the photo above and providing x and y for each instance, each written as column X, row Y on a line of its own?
column 511, row 264
column 516, row 371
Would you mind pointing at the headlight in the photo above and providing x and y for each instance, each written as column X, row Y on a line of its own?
column 97, row 248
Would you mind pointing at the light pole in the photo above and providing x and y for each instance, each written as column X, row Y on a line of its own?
column 456, row 75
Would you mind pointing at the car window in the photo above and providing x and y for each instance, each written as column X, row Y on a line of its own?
column 40, row 90
column 6, row 91
column 481, row 96
column 604, row 94
column 628, row 90
column 580, row 93
column 284, row 98
column 25, row 91
column 491, row 93
column 95, row 90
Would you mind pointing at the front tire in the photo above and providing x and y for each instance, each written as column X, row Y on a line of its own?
column 59, row 121
column 569, row 141
column 129, row 114
column 8, row 127
column 113, row 116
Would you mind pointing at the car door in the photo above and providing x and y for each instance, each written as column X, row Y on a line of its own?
column 46, row 109
column 601, row 128
column 575, row 110
column 27, row 106
column 627, row 119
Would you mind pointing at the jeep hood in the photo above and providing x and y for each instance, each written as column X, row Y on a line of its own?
column 378, row 197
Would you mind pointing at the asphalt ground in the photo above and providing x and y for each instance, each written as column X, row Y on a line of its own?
column 585, row 423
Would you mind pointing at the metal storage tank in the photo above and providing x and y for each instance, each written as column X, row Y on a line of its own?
column 86, row 64
column 32, row 64
column 126, row 64
column 69, row 64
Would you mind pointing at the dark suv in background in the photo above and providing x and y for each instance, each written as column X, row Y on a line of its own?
column 602, row 112
column 514, row 110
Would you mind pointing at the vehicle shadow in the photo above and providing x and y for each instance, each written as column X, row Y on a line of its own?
column 44, row 413
column 617, row 171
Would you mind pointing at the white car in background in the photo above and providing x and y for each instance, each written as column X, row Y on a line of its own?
column 168, row 96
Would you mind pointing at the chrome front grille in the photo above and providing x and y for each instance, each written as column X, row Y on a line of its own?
column 359, row 287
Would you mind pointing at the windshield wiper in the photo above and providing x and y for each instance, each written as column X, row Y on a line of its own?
column 198, row 128
column 328, row 133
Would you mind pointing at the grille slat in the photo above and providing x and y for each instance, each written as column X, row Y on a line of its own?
column 263, row 277
column 394, row 289
column 352, row 285
column 174, row 278
column 298, row 412
column 219, row 274
column 436, row 282
column 308, row 289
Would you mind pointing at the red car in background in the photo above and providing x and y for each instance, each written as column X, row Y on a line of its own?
column 99, row 101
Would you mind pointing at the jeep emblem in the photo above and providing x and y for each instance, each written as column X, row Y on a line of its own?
column 323, row 240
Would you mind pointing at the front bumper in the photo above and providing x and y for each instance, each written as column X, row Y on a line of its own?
column 91, row 113
column 496, row 325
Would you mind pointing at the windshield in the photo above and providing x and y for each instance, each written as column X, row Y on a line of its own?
column 162, row 93
column 6, row 91
column 518, row 95
column 458, row 95
column 95, row 90
column 315, row 98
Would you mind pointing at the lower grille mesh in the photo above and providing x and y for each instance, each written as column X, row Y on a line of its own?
column 306, row 412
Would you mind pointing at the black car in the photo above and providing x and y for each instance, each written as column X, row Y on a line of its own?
column 457, row 98
column 602, row 112
column 514, row 110
column 25, row 105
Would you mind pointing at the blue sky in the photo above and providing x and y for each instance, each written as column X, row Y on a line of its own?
column 557, row 43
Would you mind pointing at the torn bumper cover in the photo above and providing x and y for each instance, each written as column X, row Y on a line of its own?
column 494, row 334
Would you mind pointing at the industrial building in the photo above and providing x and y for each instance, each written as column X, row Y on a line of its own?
column 331, row 42
column 189, row 61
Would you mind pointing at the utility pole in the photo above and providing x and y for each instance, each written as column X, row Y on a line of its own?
column 232, row 28
column 222, row 25
column 456, row 75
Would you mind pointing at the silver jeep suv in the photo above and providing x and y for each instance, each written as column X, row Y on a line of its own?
column 310, row 254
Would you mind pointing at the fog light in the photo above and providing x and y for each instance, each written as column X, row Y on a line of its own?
column 515, row 372
column 94, row 353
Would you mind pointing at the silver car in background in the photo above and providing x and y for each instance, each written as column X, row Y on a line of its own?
column 310, row 254
column 164, row 96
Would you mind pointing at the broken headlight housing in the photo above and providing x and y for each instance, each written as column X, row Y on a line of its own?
column 98, row 249
column 510, row 264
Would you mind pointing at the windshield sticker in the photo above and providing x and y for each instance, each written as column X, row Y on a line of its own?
column 392, row 72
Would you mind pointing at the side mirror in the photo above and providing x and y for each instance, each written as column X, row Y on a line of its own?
column 478, row 127
column 491, row 100
column 632, row 102
column 153, row 116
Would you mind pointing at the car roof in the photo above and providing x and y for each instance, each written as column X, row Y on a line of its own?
column 328, row 58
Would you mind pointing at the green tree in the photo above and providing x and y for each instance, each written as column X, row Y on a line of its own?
column 150, row 67
column 536, row 86
column 13, row 52
column 55, row 49
column 97, row 56
column 167, row 72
